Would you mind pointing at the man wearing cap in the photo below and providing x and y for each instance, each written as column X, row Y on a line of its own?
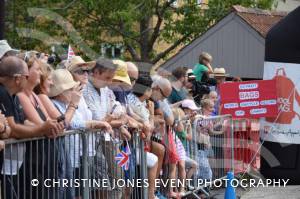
column 203, row 67
column 103, row 105
column 6, row 50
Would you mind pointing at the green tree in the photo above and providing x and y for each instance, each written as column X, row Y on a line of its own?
column 138, row 24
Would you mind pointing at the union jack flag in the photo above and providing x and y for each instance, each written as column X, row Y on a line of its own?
column 70, row 53
column 122, row 158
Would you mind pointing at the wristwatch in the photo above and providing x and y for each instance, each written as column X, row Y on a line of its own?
column 73, row 105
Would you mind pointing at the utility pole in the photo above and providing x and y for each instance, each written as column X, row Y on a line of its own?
column 2, row 18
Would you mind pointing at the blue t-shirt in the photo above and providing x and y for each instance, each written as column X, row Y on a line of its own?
column 177, row 96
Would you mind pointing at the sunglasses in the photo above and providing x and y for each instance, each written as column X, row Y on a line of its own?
column 162, row 93
column 21, row 75
column 132, row 79
column 82, row 71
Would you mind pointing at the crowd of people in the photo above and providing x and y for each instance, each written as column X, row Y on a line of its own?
column 42, row 100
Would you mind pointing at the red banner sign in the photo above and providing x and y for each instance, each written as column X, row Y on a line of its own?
column 249, row 99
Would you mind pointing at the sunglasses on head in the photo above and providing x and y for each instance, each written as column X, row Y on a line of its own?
column 30, row 54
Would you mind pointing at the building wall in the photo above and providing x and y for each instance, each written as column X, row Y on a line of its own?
column 287, row 5
column 233, row 44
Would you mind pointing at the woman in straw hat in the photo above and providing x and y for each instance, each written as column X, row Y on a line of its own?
column 62, row 92
column 80, row 71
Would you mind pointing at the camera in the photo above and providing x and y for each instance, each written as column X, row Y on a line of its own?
column 51, row 59
column 200, row 88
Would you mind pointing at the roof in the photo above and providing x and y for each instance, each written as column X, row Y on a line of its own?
column 260, row 20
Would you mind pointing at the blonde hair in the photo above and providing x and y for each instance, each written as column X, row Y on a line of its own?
column 29, row 57
column 206, row 102
column 46, row 70
column 205, row 96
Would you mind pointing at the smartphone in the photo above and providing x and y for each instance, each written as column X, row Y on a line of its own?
column 113, row 108
column 61, row 118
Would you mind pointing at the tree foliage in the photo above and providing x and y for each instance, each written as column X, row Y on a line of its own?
column 139, row 24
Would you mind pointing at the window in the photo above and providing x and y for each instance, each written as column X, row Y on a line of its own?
column 202, row 2
column 112, row 50
column 174, row 4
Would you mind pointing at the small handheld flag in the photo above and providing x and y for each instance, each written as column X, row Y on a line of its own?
column 70, row 53
column 122, row 158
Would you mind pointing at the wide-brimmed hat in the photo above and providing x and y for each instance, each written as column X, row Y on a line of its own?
column 190, row 104
column 121, row 72
column 62, row 81
column 220, row 72
column 77, row 62
column 5, row 47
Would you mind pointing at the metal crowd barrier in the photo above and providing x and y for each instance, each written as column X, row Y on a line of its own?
column 247, row 145
column 78, row 164
column 54, row 168
column 212, row 147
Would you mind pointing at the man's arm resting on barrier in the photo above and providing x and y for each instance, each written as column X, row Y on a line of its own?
column 20, row 131
column 95, row 124
column 5, row 131
column 132, row 123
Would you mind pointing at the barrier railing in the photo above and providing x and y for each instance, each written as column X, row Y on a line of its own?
column 77, row 164
column 82, row 163
column 246, row 138
column 212, row 147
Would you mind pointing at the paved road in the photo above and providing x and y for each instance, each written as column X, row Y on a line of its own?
column 289, row 192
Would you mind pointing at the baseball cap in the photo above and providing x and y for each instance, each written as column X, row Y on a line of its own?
column 190, row 104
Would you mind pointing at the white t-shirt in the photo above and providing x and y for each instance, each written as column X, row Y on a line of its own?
column 13, row 158
column 87, row 115
column 138, row 107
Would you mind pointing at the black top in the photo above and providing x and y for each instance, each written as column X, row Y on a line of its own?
column 39, row 110
column 10, row 106
column 282, row 41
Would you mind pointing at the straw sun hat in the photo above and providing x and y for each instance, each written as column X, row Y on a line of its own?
column 220, row 72
column 77, row 62
column 121, row 72
column 62, row 81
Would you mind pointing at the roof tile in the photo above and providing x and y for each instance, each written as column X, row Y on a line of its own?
column 260, row 20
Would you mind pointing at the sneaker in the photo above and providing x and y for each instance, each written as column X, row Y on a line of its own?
column 159, row 195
